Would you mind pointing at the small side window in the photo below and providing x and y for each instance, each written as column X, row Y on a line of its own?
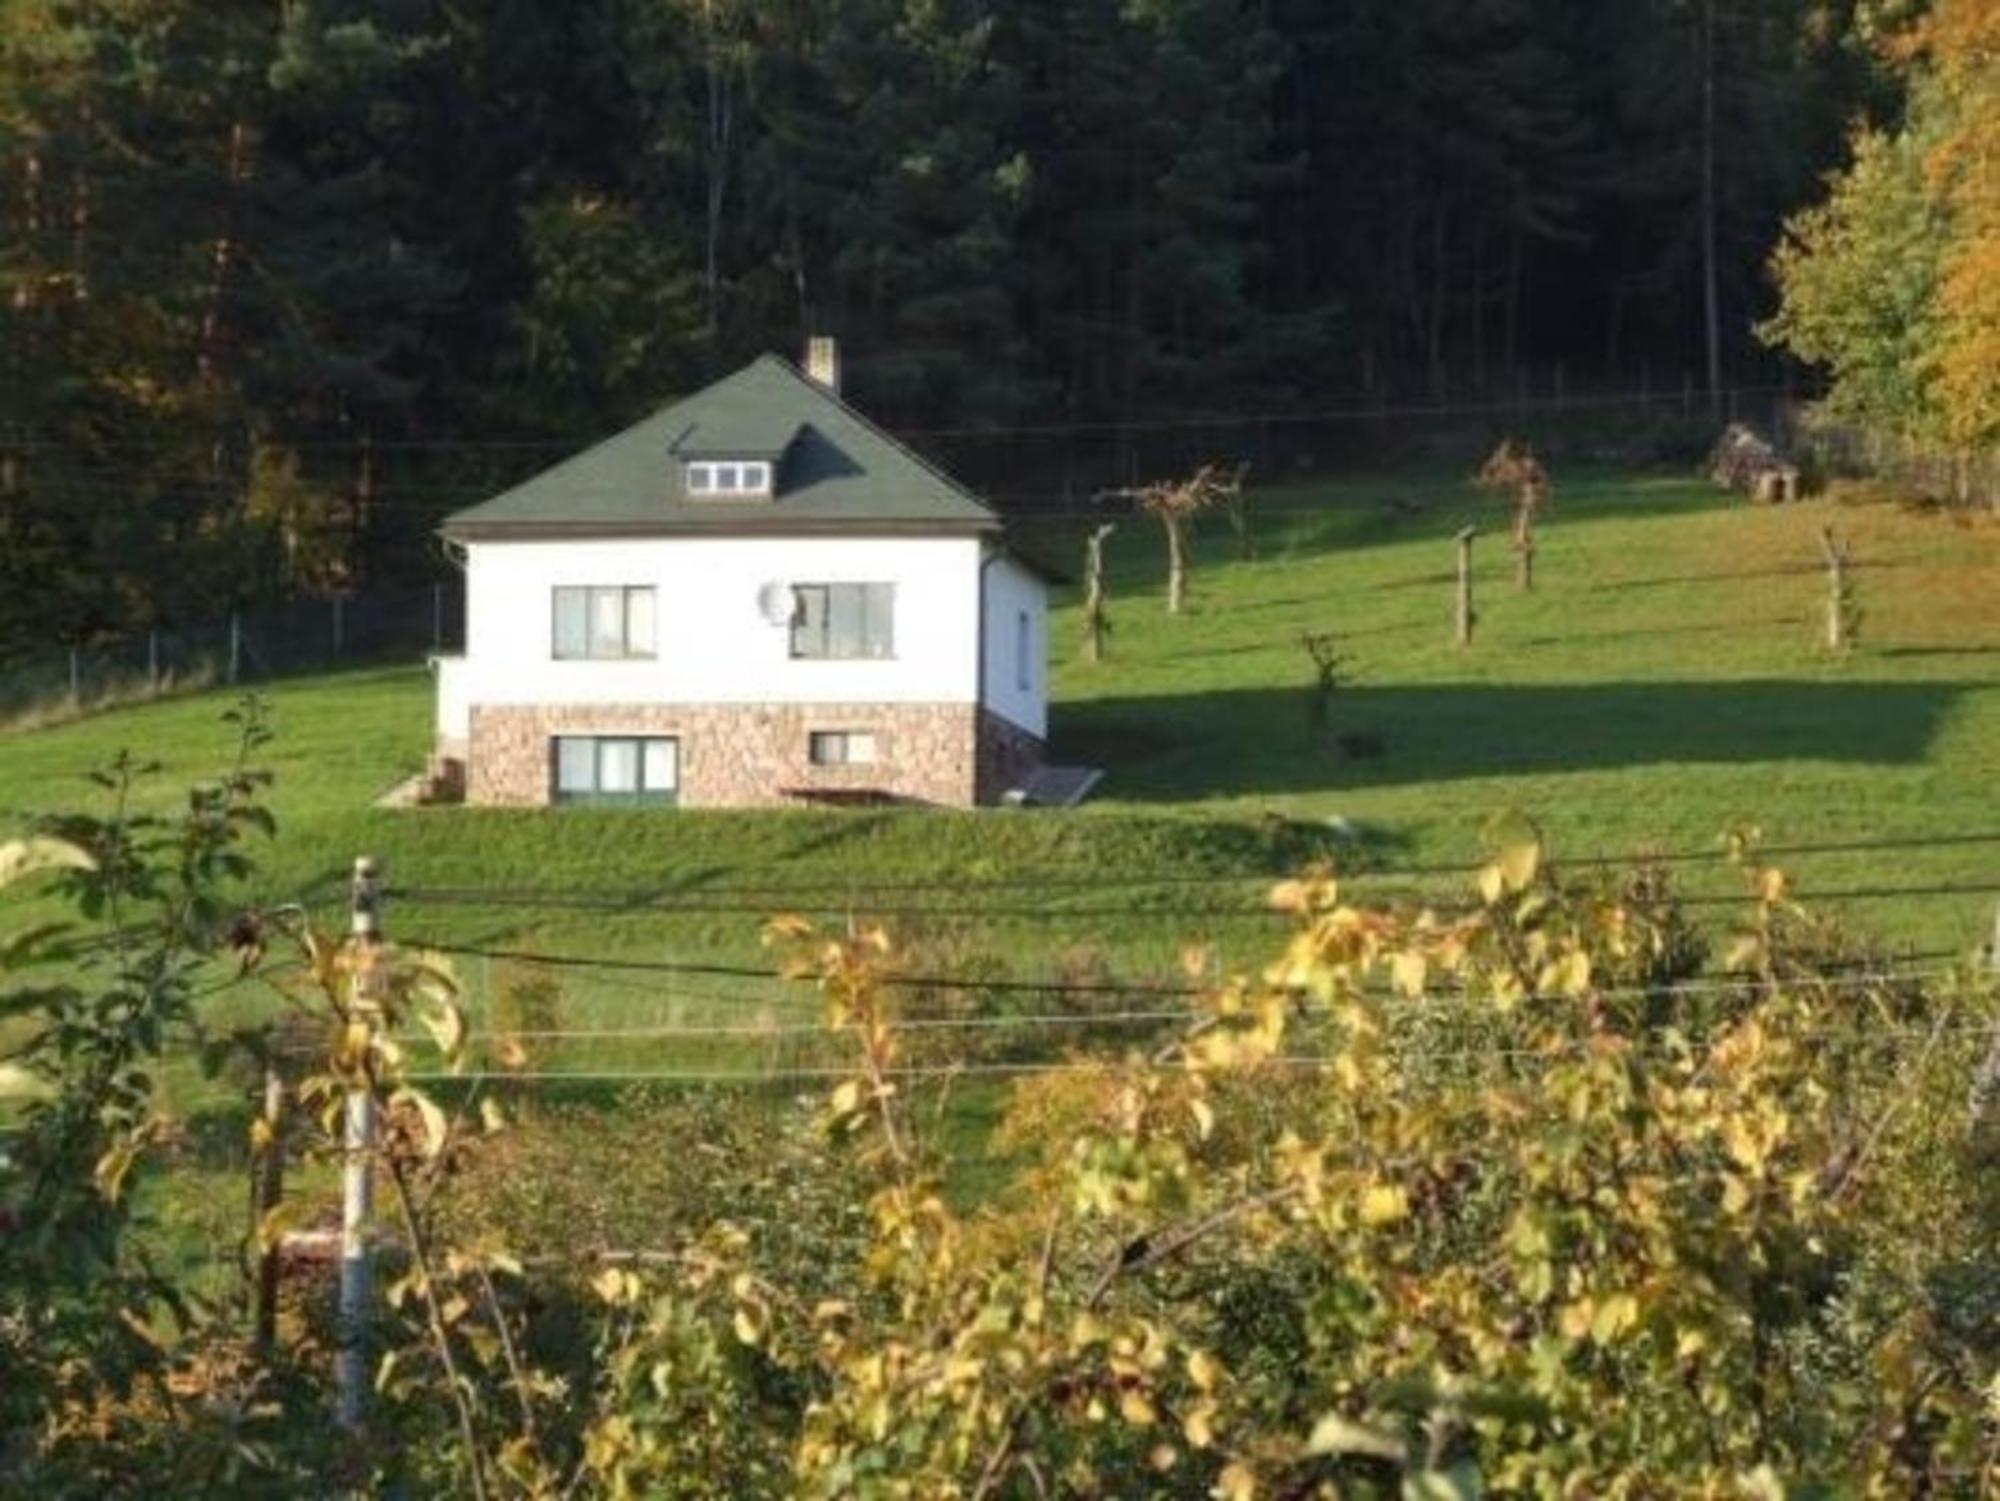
column 1024, row 642
column 841, row 748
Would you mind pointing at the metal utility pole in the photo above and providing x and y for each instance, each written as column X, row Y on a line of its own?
column 356, row 1183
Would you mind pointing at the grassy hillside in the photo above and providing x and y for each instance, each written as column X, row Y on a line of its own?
column 1662, row 682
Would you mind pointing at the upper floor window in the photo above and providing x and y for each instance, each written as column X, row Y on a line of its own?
column 708, row 478
column 844, row 621
column 599, row 622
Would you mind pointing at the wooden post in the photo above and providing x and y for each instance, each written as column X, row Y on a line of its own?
column 356, row 1184
column 1839, row 605
column 235, row 645
column 1524, row 562
column 1464, row 617
column 75, row 679
column 1095, row 621
column 153, row 661
column 267, row 1191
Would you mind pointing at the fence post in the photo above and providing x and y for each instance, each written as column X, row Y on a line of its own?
column 267, row 1191
column 356, row 1187
column 1464, row 617
column 235, row 646
column 153, row 661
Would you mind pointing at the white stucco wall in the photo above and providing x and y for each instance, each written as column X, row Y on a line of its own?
column 1012, row 591
column 714, row 646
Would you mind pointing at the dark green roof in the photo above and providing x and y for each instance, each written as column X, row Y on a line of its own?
column 836, row 472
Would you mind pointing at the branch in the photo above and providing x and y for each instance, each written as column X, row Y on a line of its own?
column 440, row 1336
column 1164, row 1247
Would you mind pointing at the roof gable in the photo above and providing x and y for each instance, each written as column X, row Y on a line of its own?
column 835, row 471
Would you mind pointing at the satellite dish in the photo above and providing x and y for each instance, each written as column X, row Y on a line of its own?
column 775, row 603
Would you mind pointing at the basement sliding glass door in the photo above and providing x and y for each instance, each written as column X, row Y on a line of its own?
column 616, row 769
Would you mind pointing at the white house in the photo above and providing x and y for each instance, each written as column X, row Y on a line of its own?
column 754, row 596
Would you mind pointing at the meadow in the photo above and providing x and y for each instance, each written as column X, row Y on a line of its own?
column 1664, row 681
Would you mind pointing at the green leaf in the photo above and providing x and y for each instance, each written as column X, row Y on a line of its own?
column 1335, row 1434
column 436, row 1128
column 17, row 1083
column 1459, row 1483
column 23, row 857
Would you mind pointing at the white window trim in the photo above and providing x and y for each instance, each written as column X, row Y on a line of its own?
column 708, row 479
column 626, row 653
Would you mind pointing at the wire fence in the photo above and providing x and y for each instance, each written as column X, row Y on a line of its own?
column 233, row 646
column 1967, row 478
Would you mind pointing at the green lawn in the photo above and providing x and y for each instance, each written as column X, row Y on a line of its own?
column 1662, row 682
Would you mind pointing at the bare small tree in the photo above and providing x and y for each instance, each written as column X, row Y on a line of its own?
column 1176, row 504
column 1096, row 618
column 1329, row 671
column 1513, row 470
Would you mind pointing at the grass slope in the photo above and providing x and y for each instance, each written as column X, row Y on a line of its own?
column 1662, row 682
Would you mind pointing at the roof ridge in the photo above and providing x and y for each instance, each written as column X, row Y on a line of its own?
column 829, row 394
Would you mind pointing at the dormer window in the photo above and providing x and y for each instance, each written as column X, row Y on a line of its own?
column 713, row 479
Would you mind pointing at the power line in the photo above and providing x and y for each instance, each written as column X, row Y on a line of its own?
column 1409, row 411
column 1547, row 1055
column 1038, row 880
column 1441, row 1003
column 893, row 980
column 1049, row 915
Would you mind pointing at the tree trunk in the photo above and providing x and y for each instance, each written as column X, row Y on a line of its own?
column 1177, row 562
column 267, row 1192
column 208, row 348
column 1436, row 333
column 1836, row 591
column 1462, row 622
column 1710, row 291
column 720, row 123
column 1093, row 600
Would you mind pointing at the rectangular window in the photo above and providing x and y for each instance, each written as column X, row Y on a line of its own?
column 603, row 623
column 841, row 747
column 844, row 622
column 1024, row 640
column 708, row 479
column 616, row 769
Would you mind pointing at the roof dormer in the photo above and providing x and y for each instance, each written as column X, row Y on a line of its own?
column 741, row 459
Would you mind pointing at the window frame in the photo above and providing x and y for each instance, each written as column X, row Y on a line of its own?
column 846, row 740
column 882, row 593
column 640, row 796
column 704, row 478
column 591, row 594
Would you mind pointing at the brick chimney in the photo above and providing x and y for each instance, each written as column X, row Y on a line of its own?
column 823, row 362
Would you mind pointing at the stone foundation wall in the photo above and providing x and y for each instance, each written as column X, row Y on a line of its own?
column 740, row 755
column 1007, row 753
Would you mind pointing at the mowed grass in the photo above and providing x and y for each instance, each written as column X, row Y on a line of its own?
column 1663, row 681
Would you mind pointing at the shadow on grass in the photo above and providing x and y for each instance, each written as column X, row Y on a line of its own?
column 1250, row 742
